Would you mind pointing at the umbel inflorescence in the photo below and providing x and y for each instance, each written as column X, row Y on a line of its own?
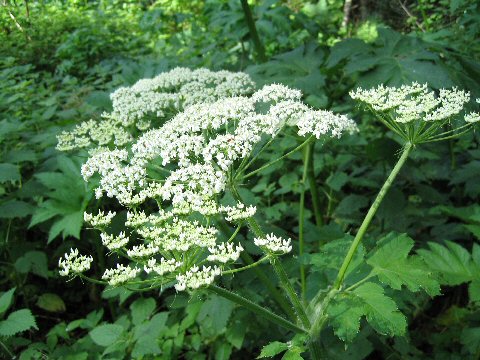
column 172, row 178
column 150, row 101
column 417, row 114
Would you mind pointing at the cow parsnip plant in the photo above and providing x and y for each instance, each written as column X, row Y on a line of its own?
column 172, row 180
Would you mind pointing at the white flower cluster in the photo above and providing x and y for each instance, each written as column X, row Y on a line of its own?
column 218, row 126
column 274, row 244
column 143, row 251
column 224, row 252
column 112, row 242
column 100, row 220
column 74, row 264
column 203, row 142
column 473, row 117
column 237, row 212
column 165, row 266
column 413, row 102
column 196, row 277
column 150, row 100
column 120, row 275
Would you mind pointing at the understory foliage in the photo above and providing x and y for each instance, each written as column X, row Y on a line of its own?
column 185, row 180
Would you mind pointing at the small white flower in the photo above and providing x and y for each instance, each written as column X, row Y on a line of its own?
column 74, row 263
column 99, row 220
column 165, row 266
column 112, row 242
column 224, row 252
column 143, row 251
column 274, row 244
column 195, row 277
column 472, row 117
column 238, row 212
column 120, row 275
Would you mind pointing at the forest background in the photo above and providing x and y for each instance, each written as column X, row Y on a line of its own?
column 60, row 60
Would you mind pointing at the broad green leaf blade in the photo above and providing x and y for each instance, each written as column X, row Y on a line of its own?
column 272, row 349
column 393, row 266
column 9, row 172
column 452, row 263
column 345, row 314
column 15, row 209
column 381, row 311
column 106, row 335
column 17, row 322
column 215, row 313
column 141, row 309
column 35, row 262
column 153, row 327
column 51, row 302
column 6, row 300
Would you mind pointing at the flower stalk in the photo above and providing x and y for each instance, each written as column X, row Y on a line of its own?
column 371, row 213
column 255, row 308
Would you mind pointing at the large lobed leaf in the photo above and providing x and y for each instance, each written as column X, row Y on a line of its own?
column 394, row 267
column 370, row 301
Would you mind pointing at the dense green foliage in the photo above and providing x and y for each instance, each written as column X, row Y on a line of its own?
column 61, row 59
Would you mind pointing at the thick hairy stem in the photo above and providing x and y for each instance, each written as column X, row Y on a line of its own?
column 260, row 50
column 371, row 213
column 313, row 188
column 301, row 220
column 255, row 308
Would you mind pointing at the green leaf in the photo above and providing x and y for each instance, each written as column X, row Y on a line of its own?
column 337, row 180
column 17, row 322
column 15, row 209
column 299, row 68
column 51, row 302
column 474, row 229
column 452, row 262
column 380, row 310
column 151, row 328
column 69, row 225
column 393, row 266
column 6, row 300
column 470, row 338
column 215, row 313
column 345, row 314
column 236, row 333
column 35, row 262
column 9, row 172
column 272, row 349
column 106, row 335
column 141, row 309
column 223, row 351
column 293, row 354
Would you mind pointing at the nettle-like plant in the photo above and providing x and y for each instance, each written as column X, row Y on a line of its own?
column 174, row 180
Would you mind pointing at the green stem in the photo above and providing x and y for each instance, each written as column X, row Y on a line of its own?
column 313, row 188
column 250, row 266
column 301, row 221
column 243, row 167
column 7, row 350
column 277, row 296
column 371, row 213
column 283, row 277
column 260, row 50
column 255, row 308
column 299, row 147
